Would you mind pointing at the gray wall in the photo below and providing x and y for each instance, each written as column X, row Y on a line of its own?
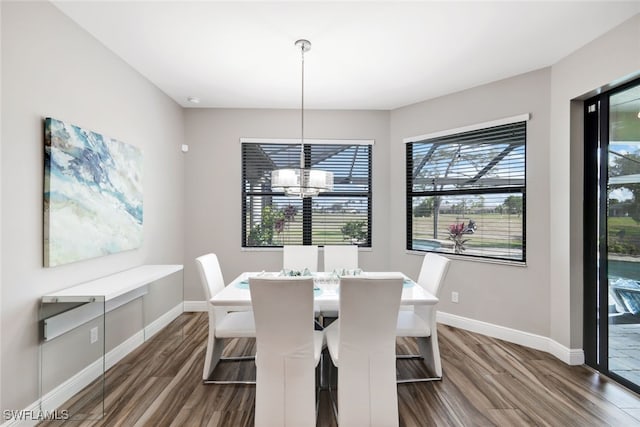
column 212, row 181
column 512, row 296
column 608, row 60
column 51, row 67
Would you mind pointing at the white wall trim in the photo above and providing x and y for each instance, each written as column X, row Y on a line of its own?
column 162, row 321
column 499, row 122
column 191, row 306
column 569, row 356
column 56, row 397
column 537, row 342
column 119, row 352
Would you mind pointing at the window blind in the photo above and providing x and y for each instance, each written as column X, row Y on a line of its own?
column 342, row 216
column 466, row 193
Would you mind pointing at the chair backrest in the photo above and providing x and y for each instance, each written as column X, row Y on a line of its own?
column 299, row 257
column 340, row 257
column 433, row 271
column 369, row 312
column 210, row 274
column 285, row 365
column 367, row 392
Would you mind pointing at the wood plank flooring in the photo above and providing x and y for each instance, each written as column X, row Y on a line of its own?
column 487, row 382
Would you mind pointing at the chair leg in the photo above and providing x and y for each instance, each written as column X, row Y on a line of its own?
column 430, row 354
column 332, row 397
column 231, row 382
column 319, row 373
column 231, row 359
column 214, row 356
column 325, row 369
column 418, row 380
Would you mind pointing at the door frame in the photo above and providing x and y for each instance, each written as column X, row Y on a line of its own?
column 596, row 158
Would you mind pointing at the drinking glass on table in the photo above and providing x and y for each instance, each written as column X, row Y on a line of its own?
column 333, row 280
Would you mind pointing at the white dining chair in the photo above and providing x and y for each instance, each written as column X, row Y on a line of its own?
column 288, row 351
column 420, row 321
column 299, row 257
column 362, row 347
column 340, row 257
column 223, row 324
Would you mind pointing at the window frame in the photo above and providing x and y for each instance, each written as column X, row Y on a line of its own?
column 307, row 202
column 410, row 194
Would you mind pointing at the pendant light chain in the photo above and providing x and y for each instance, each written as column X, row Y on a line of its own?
column 302, row 182
column 302, row 47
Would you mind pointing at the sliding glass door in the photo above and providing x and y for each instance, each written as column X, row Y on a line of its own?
column 612, row 233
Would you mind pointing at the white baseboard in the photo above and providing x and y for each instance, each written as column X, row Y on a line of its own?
column 119, row 352
column 538, row 342
column 190, row 306
column 56, row 397
column 570, row 356
column 162, row 321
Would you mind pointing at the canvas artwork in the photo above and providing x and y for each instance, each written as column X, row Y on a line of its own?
column 92, row 194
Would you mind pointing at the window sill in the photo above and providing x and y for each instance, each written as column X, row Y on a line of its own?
column 471, row 259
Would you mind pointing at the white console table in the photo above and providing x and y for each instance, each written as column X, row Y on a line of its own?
column 63, row 311
column 110, row 287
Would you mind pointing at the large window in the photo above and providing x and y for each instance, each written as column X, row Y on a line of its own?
column 466, row 191
column 270, row 219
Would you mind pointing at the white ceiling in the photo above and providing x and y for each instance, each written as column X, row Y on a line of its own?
column 365, row 55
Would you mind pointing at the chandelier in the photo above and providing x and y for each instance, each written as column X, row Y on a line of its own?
column 302, row 182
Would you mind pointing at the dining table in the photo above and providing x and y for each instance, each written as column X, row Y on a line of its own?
column 326, row 290
column 236, row 295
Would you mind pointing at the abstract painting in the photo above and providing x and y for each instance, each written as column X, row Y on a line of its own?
column 92, row 194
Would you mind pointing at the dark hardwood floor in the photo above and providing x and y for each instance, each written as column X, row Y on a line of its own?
column 487, row 382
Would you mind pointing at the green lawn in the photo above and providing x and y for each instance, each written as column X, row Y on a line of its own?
column 321, row 233
column 623, row 235
column 494, row 230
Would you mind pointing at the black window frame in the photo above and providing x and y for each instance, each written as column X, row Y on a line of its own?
column 307, row 202
column 410, row 143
